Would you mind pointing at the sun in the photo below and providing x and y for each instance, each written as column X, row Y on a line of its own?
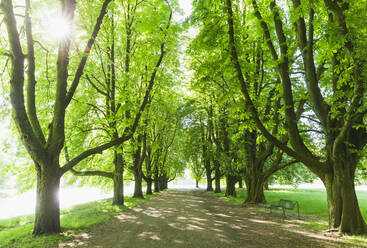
column 58, row 27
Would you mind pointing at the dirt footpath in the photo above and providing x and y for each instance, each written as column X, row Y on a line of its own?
column 186, row 218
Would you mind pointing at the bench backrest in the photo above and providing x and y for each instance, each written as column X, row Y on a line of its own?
column 287, row 204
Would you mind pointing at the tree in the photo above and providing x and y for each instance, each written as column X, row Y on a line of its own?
column 45, row 152
column 119, row 87
column 341, row 121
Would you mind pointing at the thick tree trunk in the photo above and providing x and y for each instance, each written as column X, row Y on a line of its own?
column 231, row 186
column 163, row 182
column 344, row 211
column 47, row 215
column 118, row 180
column 217, row 177
column 149, row 187
column 255, row 189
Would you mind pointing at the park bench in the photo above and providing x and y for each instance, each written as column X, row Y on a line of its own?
column 285, row 205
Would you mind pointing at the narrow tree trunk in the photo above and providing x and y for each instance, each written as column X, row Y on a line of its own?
column 118, row 180
column 217, row 177
column 209, row 181
column 255, row 189
column 156, row 185
column 240, row 182
column 231, row 186
column 47, row 215
column 197, row 183
column 138, row 178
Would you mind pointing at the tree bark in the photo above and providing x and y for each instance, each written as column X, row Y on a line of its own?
column 344, row 211
column 118, row 180
column 255, row 189
column 231, row 186
column 47, row 215
column 138, row 191
column 149, row 187
column 156, row 185
column 240, row 183
column 209, row 180
column 163, row 182
column 217, row 176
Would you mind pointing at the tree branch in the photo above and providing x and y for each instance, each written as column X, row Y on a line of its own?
column 92, row 173
column 83, row 61
column 29, row 139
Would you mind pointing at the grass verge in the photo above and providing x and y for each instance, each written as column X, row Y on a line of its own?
column 17, row 232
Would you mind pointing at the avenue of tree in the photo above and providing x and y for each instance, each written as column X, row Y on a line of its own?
column 264, row 91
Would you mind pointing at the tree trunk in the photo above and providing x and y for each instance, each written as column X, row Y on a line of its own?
column 344, row 211
column 118, row 180
column 209, row 181
column 217, row 177
column 47, row 215
column 240, row 182
column 197, row 183
column 149, row 187
column 156, row 178
column 138, row 176
column 255, row 189
column 163, row 182
column 231, row 186
column 156, row 184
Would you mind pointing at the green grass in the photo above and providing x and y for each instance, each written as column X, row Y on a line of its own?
column 313, row 207
column 17, row 232
column 311, row 201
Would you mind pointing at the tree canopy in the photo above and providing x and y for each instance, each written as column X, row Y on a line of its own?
column 102, row 92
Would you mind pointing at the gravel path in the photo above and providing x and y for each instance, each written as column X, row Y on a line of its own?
column 187, row 218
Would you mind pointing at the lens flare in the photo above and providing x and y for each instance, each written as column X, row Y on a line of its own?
column 59, row 27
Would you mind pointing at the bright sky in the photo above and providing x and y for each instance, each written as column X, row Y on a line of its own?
column 186, row 5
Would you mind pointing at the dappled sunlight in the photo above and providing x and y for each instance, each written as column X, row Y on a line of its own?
column 78, row 240
column 126, row 217
column 178, row 241
column 153, row 213
column 176, row 226
column 193, row 227
column 169, row 221
column 149, row 235
column 223, row 215
column 262, row 221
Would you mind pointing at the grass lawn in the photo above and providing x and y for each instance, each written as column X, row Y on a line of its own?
column 312, row 202
column 17, row 232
